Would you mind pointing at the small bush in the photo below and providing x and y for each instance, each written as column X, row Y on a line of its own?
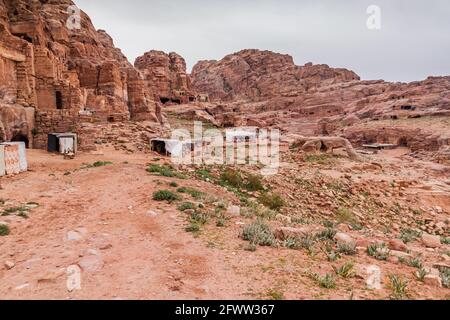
column 326, row 282
column 345, row 271
column 445, row 276
column 409, row 235
column 165, row 195
column 421, row 274
column 173, row 184
column 231, row 178
column 445, row 240
column 259, row 233
column 328, row 234
column 275, row 294
column 4, row 230
column 101, row 164
column 272, row 201
column 378, row 251
column 399, row 287
column 292, row 243
column 347, row 249
column 345, row 215
column 194, row 193
column 199, row 218
column 254, row 183
column 186, row 206
column 412, row 262
column 164, row 171
column 193, row 228
column 204, row 174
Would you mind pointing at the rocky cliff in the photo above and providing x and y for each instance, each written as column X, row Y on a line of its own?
column 165, row 75
column 260, row 75
column 65, row 74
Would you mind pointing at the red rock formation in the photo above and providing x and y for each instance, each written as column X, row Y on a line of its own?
column 67, row 75
column 260, row 75
column 166, row 75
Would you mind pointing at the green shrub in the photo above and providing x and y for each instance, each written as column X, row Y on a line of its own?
column 193, row 228
column 275, row 294
column 254, row 183
column 272, row 201
column 165, row 195
column 101, row 164
column 4, row 230
column 409, row 235
column 327, row 234
column 346, row 270
column 347, row 249
column 445, row 240
column 186, row 206
column 412, row 262
column 345, row 215
column 164, row 171
column 399, row 287
column 326, row 282
column 231, row 178
column 378, row 251
column 173, row 184
column 194, row 193
column 259, row 233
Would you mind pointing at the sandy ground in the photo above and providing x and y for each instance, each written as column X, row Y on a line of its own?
column 135, row 248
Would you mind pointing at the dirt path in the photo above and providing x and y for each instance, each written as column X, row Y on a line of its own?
column 141, row 256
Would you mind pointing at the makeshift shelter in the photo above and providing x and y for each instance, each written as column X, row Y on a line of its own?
column 2, row 161
column 23, row 163
column 62, row 143
column 171, row 147
column 12, row 159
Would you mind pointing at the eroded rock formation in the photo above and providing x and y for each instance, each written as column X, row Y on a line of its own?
column 165, row 75
column 67, row 75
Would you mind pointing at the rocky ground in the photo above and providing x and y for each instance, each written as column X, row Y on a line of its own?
column 325, row 227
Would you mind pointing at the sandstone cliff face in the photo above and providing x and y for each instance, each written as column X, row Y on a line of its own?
column 67, row 75
column 165, row 75
column 260, row 75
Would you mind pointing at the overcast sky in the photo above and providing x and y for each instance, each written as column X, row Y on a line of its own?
column 413, row 43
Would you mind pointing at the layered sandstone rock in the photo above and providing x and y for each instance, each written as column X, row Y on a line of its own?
column 268, row 89
column 66, row 74
column 165, row 74
column 259, row 75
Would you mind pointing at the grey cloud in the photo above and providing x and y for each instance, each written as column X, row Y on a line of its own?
column 414, row 41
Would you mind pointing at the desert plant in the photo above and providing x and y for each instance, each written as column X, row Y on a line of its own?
column 259, row 233
column 421, row 274
column 165, row 195
column 378, row 251
column 4, row 230
column 412, row 262
column 193, row 227
column 445, row 240
column 399, row 287
column 231, row 178
column 100, row 164
column 173, row 184
column 199, row 218
column 275, row 294
column 327, row 234
column 409, row 235
column 186, row 206
column 292, row 243
column 272, row 201
column 345, row 215
column 445, row 276
column 164, row 171
column 254, row 183
column 327, row 281
column 194, row 193
column 345, row 271
column 348, row 249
